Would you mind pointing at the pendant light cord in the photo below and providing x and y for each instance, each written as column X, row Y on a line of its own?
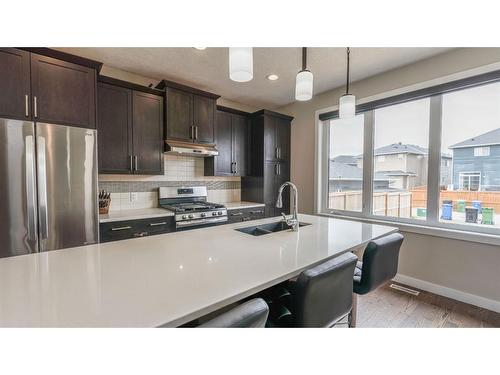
column 347, row 78
column 304, row 58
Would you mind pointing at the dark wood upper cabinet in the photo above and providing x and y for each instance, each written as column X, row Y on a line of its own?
column 203, row 119
column 179, row 115
column 130, row 128
column 231, row 138
column 190, row 113
column 63, row 92
column 269, row 164
column 147, row 133
column 114, row 127
column 15, row 91
column 240, row 144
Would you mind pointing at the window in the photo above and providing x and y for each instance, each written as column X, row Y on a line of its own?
column 345, row 167
column 433, row 157
column 400, row 185
column 481, row 151
column 470, row 181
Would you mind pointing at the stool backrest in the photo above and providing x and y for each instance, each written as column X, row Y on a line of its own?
column 251, row 314
column 380, row 261
column 323, row 294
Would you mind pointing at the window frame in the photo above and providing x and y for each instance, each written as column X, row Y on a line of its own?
column 431, row 224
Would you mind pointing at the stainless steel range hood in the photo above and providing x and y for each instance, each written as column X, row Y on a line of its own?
column 190, row 149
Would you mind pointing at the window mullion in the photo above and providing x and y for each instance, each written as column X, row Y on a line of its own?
column 434, row 167
column 368, row 163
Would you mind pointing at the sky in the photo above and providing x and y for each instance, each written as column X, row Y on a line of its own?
column 466, row 113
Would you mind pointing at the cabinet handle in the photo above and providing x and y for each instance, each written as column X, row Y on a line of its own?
column 279, row 152
column 196, row 132
column 121, row 228
column 35, row 107
column 237, row 214
column 157, row 224
column 131, row 163
column 26, row 99
column 140, row 234
column 279, row 169
column 256, row 212
column 276, row 152
column 135, row 163
column 276, row 169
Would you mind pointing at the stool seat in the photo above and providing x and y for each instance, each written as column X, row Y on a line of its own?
column 251, row 314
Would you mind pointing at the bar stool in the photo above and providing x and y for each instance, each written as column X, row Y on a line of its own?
column 320, row 297
column 380, row 264
column 251, row 314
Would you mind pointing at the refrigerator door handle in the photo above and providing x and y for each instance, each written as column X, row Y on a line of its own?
column 42, row 188
column 30, row 187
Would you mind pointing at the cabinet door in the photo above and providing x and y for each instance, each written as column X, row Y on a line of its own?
column 114, row 126
column 147, row 130
column 270, row 181
column 179, row 115
column 14, row 83
column 203, row 118
column 240, row 144
column 223, row 162
column 63, row 93
column 283, row 139
column 270, row 146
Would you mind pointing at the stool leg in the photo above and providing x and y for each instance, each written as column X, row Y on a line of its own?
column 354, row 311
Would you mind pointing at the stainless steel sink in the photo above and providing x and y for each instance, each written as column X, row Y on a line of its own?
column 259, row 230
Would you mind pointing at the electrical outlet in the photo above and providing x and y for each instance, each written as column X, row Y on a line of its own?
column 134, row 197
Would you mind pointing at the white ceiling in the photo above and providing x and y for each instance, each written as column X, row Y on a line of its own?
column 208, row 69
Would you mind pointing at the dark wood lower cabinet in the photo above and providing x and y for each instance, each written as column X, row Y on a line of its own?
column 122, row 230
column 245, row 214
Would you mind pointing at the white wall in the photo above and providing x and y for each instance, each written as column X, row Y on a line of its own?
column 464, row 270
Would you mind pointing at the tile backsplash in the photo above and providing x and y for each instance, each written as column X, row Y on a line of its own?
column 135, row 191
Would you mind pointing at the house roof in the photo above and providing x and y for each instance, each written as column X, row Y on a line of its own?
column 346, row 159
column 342, row 171
column 400, row 148
column 398, row 173
column 487, row 139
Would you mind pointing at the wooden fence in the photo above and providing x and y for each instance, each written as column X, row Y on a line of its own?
column 396, row 204
column 488, row 198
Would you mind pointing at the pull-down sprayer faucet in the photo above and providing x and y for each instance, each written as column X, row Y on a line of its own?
column 294, row 221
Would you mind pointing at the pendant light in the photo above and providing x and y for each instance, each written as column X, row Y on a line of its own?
column 241, row 64
column 347, row 102
column 304, row 80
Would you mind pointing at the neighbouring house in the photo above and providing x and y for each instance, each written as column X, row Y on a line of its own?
column 407, row 164
column 344, row 175
column 476, row 163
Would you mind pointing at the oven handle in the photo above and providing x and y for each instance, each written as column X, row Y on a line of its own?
column 190, row 223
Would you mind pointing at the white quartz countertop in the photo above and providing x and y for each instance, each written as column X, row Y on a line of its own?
column 166, row 279
column 134, row 214
column 242, row 204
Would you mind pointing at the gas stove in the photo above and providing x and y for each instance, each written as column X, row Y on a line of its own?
column 191, row 207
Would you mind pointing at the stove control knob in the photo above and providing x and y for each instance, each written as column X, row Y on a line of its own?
column 191, row 216
column 184, row 217
column 214, row 213
column 203, row 214
column 219, row 213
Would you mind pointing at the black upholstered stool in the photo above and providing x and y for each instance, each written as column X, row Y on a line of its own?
column 251, row 314
column 380, row 264
column 320, row 297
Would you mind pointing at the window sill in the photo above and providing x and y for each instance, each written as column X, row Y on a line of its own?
column 455, row 234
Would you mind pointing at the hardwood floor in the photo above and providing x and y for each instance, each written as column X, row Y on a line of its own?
column 386, row 307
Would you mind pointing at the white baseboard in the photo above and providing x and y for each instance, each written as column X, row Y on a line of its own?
column 458, row 295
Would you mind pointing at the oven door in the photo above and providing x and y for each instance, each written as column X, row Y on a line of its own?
column 200, row 223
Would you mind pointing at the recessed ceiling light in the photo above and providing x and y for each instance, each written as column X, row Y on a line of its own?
column 272, row 77
column 200, row 48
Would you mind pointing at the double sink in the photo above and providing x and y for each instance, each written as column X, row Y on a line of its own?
column 262, row 229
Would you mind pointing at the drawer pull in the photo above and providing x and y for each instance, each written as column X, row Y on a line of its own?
column 256, row 212
column 140, row 234
column 121, row 228
column 237, row 214
column 157, row 224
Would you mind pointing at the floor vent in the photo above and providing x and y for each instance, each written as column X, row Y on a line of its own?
column 404, row 289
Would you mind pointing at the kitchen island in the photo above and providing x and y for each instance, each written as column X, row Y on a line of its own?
column 169, row 279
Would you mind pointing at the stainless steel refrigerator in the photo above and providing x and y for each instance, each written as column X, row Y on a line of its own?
column 48, row 187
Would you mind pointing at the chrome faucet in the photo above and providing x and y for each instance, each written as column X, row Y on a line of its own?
column 294, row 221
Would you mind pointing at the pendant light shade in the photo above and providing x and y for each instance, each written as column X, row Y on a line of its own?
column 241, row 64
column 304, row 80
column 347, row 102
